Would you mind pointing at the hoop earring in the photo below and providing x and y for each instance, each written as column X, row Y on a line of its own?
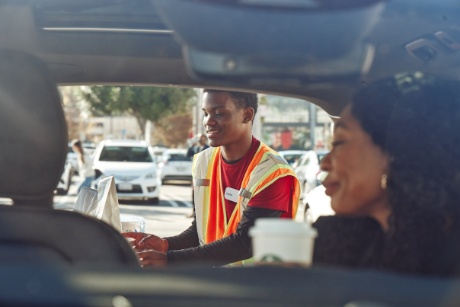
column 383, row 181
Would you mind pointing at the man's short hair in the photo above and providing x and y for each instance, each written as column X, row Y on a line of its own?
column 241, row 99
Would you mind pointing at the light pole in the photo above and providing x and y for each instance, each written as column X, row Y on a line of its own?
column 312, row 124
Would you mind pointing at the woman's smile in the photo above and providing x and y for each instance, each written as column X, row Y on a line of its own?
column 331, row 187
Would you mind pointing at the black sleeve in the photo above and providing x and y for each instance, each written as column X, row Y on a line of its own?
column 188, row 238
column 230, row 249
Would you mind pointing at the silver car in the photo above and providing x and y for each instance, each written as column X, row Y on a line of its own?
column 175, row 165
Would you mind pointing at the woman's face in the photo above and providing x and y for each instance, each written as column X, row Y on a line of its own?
column 355, row 166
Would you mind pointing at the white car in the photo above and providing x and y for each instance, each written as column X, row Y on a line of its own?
column 306, row 168
column 292, row 156
column 316, row 203
column 133, row 166
column 175, row 165
column 158, row 153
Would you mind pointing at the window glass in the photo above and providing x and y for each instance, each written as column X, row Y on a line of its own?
column 125, row 154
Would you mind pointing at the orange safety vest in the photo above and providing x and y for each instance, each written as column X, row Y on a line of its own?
column 211, row 217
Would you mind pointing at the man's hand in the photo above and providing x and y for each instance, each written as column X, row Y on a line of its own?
column 152, row 258
column 143, row 241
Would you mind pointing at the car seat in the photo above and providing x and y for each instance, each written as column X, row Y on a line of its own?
column 33, row 140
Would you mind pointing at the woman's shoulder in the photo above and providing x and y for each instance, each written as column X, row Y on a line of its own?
column 347, row 241
column 341, row 230
column 446, row 260
column 335, row 222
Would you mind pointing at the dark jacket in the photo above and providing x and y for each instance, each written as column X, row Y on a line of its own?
column 361, row 243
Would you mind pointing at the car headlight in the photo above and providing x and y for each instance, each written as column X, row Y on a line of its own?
column 150, row 176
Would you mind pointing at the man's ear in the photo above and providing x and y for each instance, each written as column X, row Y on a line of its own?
column 248, row 115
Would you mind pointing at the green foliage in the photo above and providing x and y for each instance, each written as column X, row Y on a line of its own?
column 144, row 103
column 102, row 100
column 172, row 131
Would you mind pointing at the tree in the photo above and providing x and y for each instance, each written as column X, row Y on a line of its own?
column 144, row 103
column 173, row 131
column 73, row 109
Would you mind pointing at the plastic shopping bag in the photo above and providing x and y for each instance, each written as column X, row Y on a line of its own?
column 101, row 203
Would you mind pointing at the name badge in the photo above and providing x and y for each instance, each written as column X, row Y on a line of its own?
column 231, row 194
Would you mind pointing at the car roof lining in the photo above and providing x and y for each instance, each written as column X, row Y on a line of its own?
column 82, row 57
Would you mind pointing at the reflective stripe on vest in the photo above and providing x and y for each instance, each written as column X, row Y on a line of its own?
column 212, row 222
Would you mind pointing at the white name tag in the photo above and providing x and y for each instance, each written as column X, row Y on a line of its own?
column 231, row 194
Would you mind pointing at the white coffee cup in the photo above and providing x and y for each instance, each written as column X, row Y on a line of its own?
column 282, row 241
column 132, row 223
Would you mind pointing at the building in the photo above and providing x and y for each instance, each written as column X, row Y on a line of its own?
column 284, row 123
column 112, row 127
column 289, row 123
column 281, row 122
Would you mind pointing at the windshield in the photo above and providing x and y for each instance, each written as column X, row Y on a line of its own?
column 125, row 154
column 292, row 158
column 178, row 157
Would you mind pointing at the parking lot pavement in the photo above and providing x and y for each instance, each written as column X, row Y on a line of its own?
column 169, row 217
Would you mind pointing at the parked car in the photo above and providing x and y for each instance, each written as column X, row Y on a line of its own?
column 158, row 153
column 175, row 165
column 306, row 168
column 292, row 156
column 315, row 204
column 133, row 166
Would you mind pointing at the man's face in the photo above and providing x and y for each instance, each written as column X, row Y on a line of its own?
column 223, row 122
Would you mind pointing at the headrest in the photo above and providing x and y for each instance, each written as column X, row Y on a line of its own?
column 33, row 131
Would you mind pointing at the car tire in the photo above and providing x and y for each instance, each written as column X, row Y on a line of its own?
column 155, row 200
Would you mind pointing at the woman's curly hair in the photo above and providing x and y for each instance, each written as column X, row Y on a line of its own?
column 415, row 119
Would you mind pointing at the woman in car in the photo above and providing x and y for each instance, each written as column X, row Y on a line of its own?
column 394, row 179
column 85, row 165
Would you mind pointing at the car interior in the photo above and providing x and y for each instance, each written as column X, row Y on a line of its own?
column 29, row 226
column 321, row 51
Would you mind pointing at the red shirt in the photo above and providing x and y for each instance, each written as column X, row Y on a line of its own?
column 276, row 197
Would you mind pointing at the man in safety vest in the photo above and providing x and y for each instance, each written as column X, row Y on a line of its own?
column 235, row 181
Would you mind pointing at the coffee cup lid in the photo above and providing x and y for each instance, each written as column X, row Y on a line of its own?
column 284, row 226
